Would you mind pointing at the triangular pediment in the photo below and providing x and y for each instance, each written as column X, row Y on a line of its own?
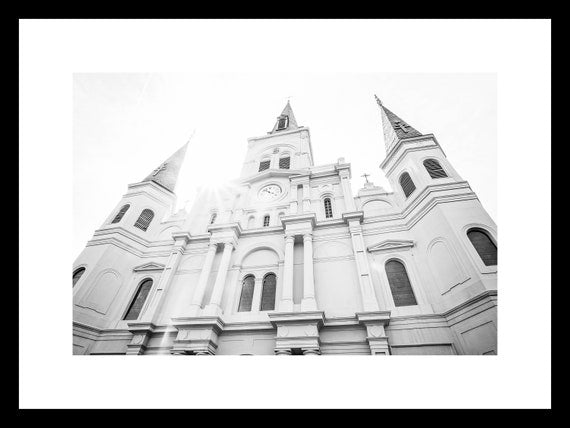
column 391, row 244
column 149, row 266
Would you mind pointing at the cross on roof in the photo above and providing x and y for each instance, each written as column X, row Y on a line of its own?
column 160, row 168
column 366, row 177
column 401, row 125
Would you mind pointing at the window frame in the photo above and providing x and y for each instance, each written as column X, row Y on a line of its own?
column 274, row 295
column 262, row 161
column 283, row 157
column 440, row 167
column 268, row 218
column 83, row 269
column 134, row 295
column 470, row 249
column 242, row 283
column 149, row 221
column 400, row 261
column 329, row 199
column 121, row 213
column 402, row 187
column 405, row 256
column 286, row 119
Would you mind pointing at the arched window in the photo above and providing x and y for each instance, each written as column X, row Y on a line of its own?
column 139, row 299
column 284, row 162
column 485, row 247
column 434, row 169
column 251, row 222
column 213, row 218
column 407, row 184
column 246, row 297
column 266, row 220
column 121, row 213
column 144, row 220
column 264, row 164
column 328, row 208
column 268, row 292
column 77, row 274
column 400, row 286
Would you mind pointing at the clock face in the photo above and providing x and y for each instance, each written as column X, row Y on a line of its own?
column 269, row 192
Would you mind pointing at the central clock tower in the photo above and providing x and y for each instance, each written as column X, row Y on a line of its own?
column 270, row 162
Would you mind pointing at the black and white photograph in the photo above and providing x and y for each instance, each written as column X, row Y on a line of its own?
column 288, row 246
column 280, row 188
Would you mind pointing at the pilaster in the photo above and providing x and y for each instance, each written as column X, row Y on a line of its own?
column 180, row 241
column 354, row 219
column 375, row 322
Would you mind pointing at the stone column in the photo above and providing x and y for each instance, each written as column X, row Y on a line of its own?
column 308, row 303
column 214, row 307
column 203, row 280
column 286, row 303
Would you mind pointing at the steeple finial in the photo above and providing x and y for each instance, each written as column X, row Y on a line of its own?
column 378, row 100
column 166, row 174
column 395, row 129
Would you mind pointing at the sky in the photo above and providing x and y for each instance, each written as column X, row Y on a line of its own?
column 125, row 125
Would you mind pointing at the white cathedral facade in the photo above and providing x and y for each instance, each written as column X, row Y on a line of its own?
column 288, row 261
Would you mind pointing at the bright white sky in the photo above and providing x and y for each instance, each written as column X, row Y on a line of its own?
column 125, row 125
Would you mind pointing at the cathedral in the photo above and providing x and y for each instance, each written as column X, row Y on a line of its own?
column 286, row 260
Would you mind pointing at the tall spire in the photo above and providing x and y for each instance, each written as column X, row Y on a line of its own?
column 395, row 129
column 166, row 174
column 286, row 120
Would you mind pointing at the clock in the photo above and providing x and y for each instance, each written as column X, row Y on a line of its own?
column 269, row 192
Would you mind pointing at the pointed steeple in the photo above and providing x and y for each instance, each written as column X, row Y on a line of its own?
column 395, row 129
column 166, row 174
column 285, row 121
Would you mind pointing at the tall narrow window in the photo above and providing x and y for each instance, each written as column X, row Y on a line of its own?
column 213, row 218
column 139, row 299
column 264, row 164
column 400, row 286
column 407, row 184
column 434, row 169
column 246, row 297
column 144, row 220
column 285, row 162
column 268, row 292
column 77, row 274
column 328, row 208
column 485, row 247
column 266, row 221
column 121, row 213
column 251, row 222
column 283, row 122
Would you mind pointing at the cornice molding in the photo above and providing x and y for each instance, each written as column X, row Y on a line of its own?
column 353, row 215
column 299, row 218
column 393, row 151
